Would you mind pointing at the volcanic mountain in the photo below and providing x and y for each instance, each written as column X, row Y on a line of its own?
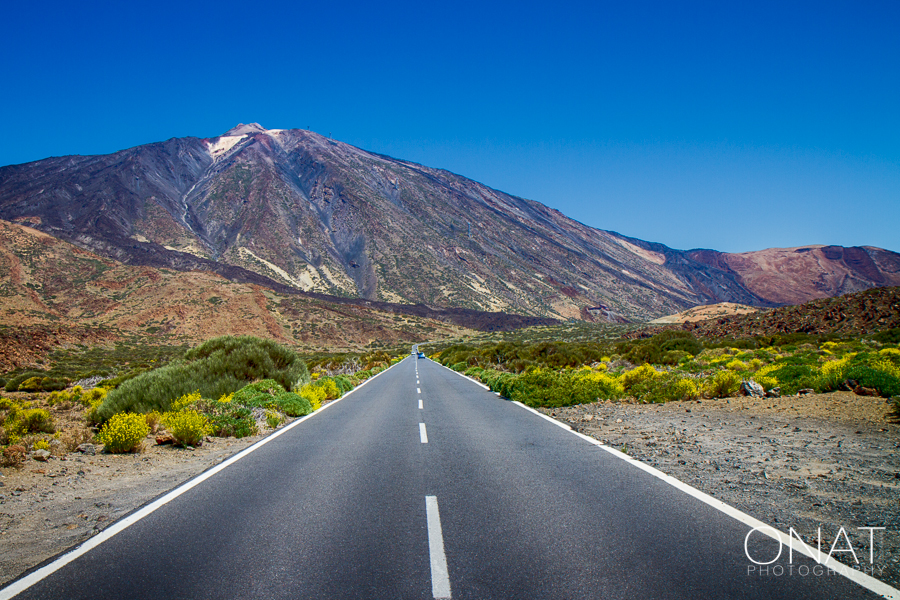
column 293, row 210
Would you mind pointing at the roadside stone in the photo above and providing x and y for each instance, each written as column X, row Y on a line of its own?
column 162, row 440
column 89, row 449
column 41, row 455
column 864, row 391
column 751, row 388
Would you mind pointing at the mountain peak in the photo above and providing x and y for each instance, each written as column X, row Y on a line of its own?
column 242, row 129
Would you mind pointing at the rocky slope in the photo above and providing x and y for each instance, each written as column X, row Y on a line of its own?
column 860, row 313
column 53, row 294
column 290, row 209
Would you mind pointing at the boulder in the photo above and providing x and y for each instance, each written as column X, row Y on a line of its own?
column 864, row 391
column 162, row 440
column 775, row 392
column 753, row 389
column 41, row 455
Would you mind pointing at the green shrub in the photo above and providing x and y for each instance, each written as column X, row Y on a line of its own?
column 546, row 387
column 793, row 377
column 667, row 347
column 888, row 336
column 215, row 368
column 232, row 420
column 53, row 384
column 32, row 384
column 293, row 405
column 124, row 432
column 666, row 387
column 886, row 384
column 258, row 394
column 13, row 384
column 460, row 366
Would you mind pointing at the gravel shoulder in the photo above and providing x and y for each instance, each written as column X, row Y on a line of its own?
column 808, row 462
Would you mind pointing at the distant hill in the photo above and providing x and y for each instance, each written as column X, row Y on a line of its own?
column 705, row 312
column 859, row 313
column 292, row 210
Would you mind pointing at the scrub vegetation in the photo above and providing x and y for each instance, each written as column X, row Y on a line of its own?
column 231, row 386
column 674, row 365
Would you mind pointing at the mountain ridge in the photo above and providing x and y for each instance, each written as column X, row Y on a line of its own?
column 293, row 210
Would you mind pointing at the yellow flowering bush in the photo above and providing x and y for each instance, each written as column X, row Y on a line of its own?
column 641, row 374
column 185, row 401
column 612, row 386
column 41, row 445
column 124, row 432
column 891, row 353
column 187, row 425
column 828, row 347
column 274, row 418
column 766, row 381
column 332, row 391
column 314, row 393
column 836, row 366
column 722, row 384
column 226, row 398
column 92, row 398
column 885, row 365
column 685, row 389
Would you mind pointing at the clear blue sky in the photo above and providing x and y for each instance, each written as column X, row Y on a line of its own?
column 728, row 125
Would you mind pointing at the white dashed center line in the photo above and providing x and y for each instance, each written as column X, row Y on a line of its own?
column 423, row 435
column 420, row 404
column 440, row 577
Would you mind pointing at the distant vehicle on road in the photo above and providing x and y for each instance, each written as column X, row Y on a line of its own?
column 421, row 355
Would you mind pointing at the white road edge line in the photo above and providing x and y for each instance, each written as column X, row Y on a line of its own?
column 440, row 577
column 423, row 435
column 20, row 585
column 858, row 577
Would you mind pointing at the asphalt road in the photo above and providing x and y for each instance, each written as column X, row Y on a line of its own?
column 497, row 503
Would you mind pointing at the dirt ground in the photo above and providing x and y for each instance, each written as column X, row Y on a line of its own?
column 822, row 460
